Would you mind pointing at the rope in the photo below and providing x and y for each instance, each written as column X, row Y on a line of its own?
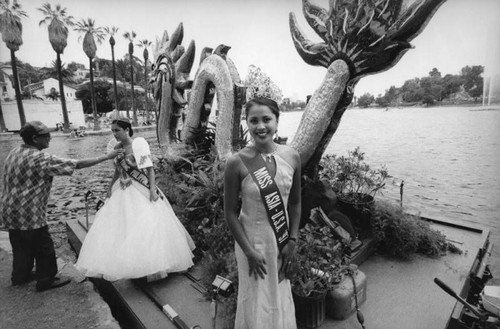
column 359, row 315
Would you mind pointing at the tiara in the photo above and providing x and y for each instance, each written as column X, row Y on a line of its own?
column 262, row 86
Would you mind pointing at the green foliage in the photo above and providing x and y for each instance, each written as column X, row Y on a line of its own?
column 434, row 88
column 103, row 101
column 287, row 105
column 351, row 176
column 473, row 82
column 194, row 185
column 402, row 235
column 365, row 100
column 388, row 99
column 320, row 260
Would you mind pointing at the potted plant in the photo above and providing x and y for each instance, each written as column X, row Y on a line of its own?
column 356, row 185
column 318, row 261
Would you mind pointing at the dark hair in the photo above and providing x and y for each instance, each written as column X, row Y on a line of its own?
column 273, row 106
column 124, row 124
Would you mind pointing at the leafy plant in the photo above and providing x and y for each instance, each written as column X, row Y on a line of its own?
column 351, row 177
column 321, row 261
column 402, row 235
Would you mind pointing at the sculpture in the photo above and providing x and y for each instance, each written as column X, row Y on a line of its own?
column 216, row 74
column 359, row 38
column 171, row 78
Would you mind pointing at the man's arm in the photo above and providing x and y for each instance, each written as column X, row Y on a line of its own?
column 84, row 163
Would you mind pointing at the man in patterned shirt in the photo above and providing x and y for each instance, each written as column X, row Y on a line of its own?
column 27, row 178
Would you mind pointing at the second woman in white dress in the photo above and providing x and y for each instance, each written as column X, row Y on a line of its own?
column 135, row 233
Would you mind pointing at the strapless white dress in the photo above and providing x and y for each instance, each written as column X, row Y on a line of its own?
column 132, row 237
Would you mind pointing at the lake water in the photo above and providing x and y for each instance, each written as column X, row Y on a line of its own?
column 449, row 158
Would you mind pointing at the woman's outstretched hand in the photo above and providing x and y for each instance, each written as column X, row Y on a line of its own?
column 257, row 264
column 153, row 196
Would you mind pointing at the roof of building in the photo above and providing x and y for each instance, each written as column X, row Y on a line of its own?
column 39, row 85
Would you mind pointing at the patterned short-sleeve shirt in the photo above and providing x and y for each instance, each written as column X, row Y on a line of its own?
column 27, row 179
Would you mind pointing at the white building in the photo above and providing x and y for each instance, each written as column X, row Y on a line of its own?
column 80, row 75
column 6, row 83
column 49, row 86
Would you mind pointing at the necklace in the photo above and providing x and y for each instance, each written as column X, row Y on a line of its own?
column 268, row 157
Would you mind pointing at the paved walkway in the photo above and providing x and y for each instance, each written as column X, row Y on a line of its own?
column 76, row 305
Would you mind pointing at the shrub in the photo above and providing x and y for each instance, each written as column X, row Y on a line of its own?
column 402, row 235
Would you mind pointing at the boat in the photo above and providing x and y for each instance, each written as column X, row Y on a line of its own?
column 399, row 294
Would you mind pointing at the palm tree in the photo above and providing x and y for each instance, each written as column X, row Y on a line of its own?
column 145, row 43
column 131, row 36
column 91, row 35
column 11, row 29
column 53, row 72
column 58, row 22
column 3, row 77
column 111, row 32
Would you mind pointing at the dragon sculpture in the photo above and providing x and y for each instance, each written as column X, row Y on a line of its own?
column 216, row 74
column 360, row 37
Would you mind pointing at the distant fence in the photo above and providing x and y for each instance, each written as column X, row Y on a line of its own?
column 49, row 112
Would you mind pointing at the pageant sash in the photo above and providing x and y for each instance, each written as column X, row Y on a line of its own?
column 271, row 197
column 137, row 175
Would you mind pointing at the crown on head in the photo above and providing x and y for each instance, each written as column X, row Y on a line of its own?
column 260, row 85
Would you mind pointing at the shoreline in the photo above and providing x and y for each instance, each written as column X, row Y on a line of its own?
column 12, row 135
column 478, row 106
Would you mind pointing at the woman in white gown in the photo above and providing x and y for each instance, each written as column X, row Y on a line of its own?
column 135, row 233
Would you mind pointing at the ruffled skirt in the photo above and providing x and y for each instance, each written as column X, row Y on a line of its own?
column 132, row 237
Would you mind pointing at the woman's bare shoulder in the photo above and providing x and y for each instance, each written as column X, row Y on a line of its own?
column 289, row 154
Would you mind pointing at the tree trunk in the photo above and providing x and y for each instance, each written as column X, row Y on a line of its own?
column 319, row 113
column 146, row 90
column 2, row 120
column 92, row 97
column 20, row 107
column 165, row 115
column 114, row 76
column 63, row 96
column 134, row 113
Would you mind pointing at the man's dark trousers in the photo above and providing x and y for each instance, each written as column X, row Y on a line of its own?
column 29, row 246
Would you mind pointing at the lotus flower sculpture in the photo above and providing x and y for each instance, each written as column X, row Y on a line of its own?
column 359, row 38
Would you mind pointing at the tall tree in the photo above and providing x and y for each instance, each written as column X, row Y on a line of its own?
column 145, row 44
column 11, row 29
column 53, row 72
column 131, row 36
column 91, row 34
column 58, row 22
column 111, row 31
column 3, row 77
column 473, row 81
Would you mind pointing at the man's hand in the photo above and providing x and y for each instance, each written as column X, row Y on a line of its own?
column 113, row 153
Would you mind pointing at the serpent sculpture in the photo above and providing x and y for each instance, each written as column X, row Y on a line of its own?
column 359, row 38
column 216, row 74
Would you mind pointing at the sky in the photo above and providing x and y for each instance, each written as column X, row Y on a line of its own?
column 462, row 32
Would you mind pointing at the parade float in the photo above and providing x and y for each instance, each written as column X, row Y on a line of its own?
column 358, row 39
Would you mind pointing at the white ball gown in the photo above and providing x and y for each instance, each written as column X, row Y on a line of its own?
column 133, row 237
